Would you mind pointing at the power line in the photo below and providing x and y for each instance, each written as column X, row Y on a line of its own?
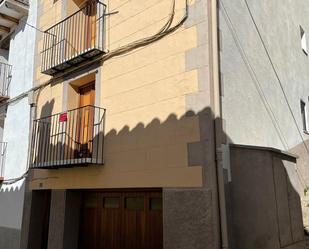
column 253, row 75
column 276, row 74
column 32, row 26
column 166, row 29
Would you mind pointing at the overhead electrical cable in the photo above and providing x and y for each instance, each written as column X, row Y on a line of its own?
column 253, row 76
column 165, row 30
column 277, row 75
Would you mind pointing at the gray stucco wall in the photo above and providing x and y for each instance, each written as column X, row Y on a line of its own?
column 187, row 219
column 11, row 206
column 16, row 130
column 265, row 205
column 253, row 104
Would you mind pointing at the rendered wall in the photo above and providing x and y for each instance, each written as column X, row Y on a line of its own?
column 159, row 122
column 254, row 106
column 265, row 205
column 16, row 130
column 152, row 95
column 4, row 56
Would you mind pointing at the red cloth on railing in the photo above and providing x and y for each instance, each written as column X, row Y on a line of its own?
column 63, row 117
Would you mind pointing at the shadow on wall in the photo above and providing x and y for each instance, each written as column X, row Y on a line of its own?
column 47, row 109
column 264, row 206
column 156, row 145
column 11, row 208
column 302, row 164
column 68, row 138
column 10, row 237
column 20, row 28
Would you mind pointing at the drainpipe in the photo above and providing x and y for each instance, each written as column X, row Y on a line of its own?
column 32, row 103
column 216, row 108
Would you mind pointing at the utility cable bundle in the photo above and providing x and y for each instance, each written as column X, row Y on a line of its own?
column 164, row 31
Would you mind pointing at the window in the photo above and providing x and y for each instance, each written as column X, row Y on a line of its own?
column 303, row 40
column 134, row 203
column 111, row 202
column 303, row 114
column 90, row 201
column 155, row 203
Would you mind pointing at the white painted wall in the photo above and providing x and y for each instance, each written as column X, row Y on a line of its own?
column 16, row 129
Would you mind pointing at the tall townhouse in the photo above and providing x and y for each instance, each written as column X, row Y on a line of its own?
column 175, row 124
column 122, row 145
column 17, row 43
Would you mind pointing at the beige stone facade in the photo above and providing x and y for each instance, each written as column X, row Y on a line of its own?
column 145, row 94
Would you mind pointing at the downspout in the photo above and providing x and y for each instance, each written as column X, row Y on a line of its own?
column 214, row 61
column 32, row 101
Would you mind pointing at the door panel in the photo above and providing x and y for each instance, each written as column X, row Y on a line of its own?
column 134, row 220
column 86, row 120
column 127, row 220
column 110, row 221
column 85, row 28
column 154, row 222
column 89, row 228
column 46, row 212
column 87, row 95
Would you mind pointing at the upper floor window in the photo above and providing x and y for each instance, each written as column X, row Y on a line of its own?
column 303, row 109
column 303, row 40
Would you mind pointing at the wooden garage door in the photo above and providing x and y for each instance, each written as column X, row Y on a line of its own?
column 122, row 220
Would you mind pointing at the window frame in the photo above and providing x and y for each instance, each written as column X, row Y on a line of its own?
column 303, row 40
column 304, row 115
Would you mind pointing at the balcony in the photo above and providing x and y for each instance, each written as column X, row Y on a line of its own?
column 76, row 39
column 11, row 11
column 3, row 147
column 5, row 81
column 68, row 139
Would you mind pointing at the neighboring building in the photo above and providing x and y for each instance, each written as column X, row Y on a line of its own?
column 17, row 43
column 165, row 124
column 264, row 68
column 265, row 75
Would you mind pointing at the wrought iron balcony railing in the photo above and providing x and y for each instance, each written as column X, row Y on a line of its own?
column 68, row 139
column 77, row 38
column 3, row 147
column 23, row 1
column 5, row 80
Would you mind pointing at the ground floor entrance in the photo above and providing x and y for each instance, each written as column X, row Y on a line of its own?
column 118, row 219
column 121, row 220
